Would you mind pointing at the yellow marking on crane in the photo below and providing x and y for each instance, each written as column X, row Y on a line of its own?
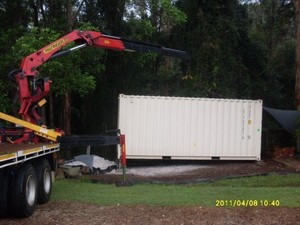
column 42, row 102
column 51, row 146
column 7, row 156
column 38, row 130
column 30, row 151
column 57, row 44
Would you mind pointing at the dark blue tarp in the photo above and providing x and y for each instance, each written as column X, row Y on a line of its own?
column 288, row 119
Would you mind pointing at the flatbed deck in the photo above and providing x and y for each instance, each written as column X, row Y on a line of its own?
column 11, row 154
column 10, row 148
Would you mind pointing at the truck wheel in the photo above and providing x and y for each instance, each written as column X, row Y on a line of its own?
column 44, row 180
column 4, row 180
column 24, row 192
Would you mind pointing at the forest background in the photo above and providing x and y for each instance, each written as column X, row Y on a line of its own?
column 239, row 49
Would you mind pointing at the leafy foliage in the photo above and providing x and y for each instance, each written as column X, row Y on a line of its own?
column 5, row 104
column 272, row 31
column 239, row 49
column 66, row 73
column 215, row 34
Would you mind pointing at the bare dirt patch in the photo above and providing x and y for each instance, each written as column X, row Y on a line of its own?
column 80, row 213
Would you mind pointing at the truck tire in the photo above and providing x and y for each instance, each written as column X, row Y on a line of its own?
column 44, row 181
column 23, row 199
column 4, row 181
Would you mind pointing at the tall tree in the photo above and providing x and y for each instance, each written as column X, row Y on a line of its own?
column 297, row 85
column 101, row 104
column 14, row 13
column 67, row 97
column 272, row 31
column 60, row 16
column 215, row 33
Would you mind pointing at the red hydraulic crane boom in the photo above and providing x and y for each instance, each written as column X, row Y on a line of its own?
column 33, row 89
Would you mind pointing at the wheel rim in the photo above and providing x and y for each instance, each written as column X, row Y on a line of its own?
column 47, row 181
column 31, row 190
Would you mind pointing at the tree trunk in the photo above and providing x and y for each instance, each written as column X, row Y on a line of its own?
column 51, row 111
column 297, row 63
column 35, row 5
column 67, row 113
column 113, row 11
column 67, row 95
column 70, row 15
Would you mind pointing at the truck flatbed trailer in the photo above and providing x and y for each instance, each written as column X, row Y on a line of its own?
column 25, row 176
column 11, row 154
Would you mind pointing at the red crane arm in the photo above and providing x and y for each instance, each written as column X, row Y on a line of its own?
column 30, row 63
column 32, row 90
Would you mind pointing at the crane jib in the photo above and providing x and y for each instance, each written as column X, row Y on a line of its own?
column 146, row 47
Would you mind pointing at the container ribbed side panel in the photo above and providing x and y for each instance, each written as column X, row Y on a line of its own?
column 191, row 128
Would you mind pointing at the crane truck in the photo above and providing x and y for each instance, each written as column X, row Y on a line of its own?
column 29, row 151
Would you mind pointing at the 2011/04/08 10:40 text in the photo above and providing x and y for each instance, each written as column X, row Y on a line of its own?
column 246, row 203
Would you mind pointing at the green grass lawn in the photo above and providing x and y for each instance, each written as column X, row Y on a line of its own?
column 285, row 189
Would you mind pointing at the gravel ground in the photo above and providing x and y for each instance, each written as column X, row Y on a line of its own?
column 193, row 173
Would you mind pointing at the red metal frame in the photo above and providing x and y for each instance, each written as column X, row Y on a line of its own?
column 32, row 90
column 29, row 65
column 123, row 150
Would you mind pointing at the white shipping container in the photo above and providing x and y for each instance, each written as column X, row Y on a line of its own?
column 190, row 128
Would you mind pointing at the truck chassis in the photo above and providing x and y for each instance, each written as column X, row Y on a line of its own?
column 26, row 177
